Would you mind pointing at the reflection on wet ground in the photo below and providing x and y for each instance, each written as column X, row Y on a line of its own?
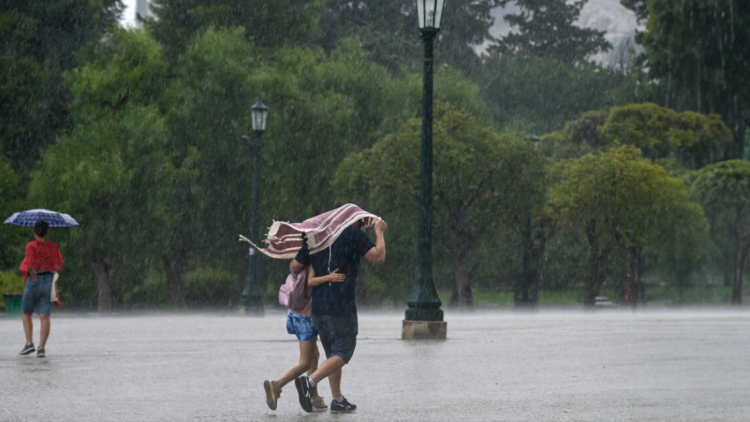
column 548, row 366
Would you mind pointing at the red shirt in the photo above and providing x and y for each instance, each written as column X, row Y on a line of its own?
column 41, row 256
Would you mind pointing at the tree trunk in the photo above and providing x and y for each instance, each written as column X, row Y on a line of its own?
column 634, row 289
column 174, row 267
column 728, row 267
column 463, row 284
column 597, row 258
column 523, row 287
column 592, row 278
column 453, row 302
column 536, row 265
column 104, row 286
column 743, row 244
column 244, row 267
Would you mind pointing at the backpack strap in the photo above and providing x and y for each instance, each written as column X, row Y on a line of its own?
column 329, row 261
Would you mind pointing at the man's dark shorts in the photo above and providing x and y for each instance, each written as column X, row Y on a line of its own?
column 338, row 334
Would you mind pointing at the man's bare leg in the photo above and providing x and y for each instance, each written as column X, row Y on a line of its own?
column 328, row 367
column 44, row 333
column 335, row 381
column 28, row 328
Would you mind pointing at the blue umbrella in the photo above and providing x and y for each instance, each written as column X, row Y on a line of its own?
column 30, row 217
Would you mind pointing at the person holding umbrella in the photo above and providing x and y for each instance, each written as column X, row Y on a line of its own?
column 41, row 263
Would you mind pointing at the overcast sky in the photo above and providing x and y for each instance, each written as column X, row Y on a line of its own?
column 606, row 15
column 128, row 15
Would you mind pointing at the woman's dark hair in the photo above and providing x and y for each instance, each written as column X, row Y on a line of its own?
column 41, row 228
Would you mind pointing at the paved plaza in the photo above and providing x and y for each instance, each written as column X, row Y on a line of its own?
column 495, row 366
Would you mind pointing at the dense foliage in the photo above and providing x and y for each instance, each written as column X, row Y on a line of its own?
column 698, row 52
column 138, row 134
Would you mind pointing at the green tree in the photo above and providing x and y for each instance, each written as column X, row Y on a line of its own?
column 268, row 24
column 693, row 139
column 724, row 190
column 543, row 91
column 546, row 28
column 697, row 52
column 39, row 44
column 618, row 199
column 11, row 248
column 309, row 126
column 480, row 178
column 322, row 109
column 108, row 173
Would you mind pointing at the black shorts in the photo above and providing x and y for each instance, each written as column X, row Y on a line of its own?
column 338, row 334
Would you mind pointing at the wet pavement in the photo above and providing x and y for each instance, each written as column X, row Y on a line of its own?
column 502, row 366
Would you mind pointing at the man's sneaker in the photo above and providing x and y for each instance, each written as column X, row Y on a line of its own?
column 342, row 406
column 40, row 353
column 272, row 393
column 319, row 404
column 28, row 349
column 305, row 393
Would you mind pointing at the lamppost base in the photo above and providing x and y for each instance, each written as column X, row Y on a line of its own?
column 424, row 330
column 433, row 313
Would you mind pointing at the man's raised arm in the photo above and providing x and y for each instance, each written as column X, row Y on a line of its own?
column 302, row 259
column 376, row 255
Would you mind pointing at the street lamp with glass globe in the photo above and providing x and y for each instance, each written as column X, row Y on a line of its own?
column 251, row 300
column 424, row 318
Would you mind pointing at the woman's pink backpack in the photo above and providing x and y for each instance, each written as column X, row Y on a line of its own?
column 293, row 293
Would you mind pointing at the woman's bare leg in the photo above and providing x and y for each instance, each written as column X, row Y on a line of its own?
column 313, row 367
column 307, row 353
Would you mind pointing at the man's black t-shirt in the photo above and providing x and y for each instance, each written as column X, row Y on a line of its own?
column 344, row 254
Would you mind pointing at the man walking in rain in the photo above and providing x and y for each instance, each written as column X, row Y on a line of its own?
column 335, row 307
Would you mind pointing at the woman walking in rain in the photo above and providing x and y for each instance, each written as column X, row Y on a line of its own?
column 43, row 259
column 301, row 324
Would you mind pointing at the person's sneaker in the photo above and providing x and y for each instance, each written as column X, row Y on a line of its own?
column 273, row 392
column 305, row 393
column 29, row 348
column 319, row 404
column 40, row 353
column 342, row 406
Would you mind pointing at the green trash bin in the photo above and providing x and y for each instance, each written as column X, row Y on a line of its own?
column 13, row 303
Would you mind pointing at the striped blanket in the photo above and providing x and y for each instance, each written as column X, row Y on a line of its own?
column 285, row 239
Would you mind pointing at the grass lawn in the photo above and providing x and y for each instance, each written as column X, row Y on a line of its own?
column 668, row 295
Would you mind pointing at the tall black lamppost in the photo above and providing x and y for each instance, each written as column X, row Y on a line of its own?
column 524, row 295
column 251, row 296
column 424, row 302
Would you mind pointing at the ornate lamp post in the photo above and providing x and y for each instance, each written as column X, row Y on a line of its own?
column 251, row 300
column 424, row 318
